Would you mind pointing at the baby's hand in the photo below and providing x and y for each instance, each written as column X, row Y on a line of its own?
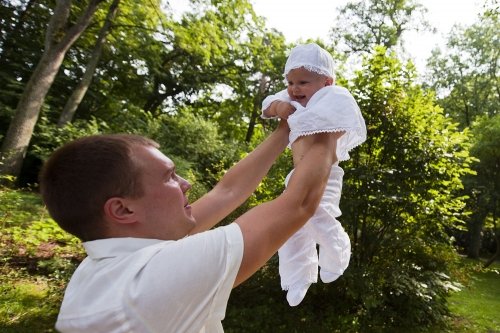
column 283, row 109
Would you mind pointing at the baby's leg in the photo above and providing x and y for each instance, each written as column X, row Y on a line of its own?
column 298, row 263
column 334, row 245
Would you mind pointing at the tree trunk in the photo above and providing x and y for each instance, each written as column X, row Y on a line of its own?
column 256, row 108
column 21, row 126
column 58, row 40
column 497, row 235
column 81, row 89
column 497, row 253
column 251, row 124
column 475, row 228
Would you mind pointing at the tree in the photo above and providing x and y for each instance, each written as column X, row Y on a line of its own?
column 58, row 39
column 466, row 75
column 402, row 194
column 201, row 47
column 362, row 24
column 79, row 92
column 485, row 185
column 221, row 61
column 21, row 43
column 13, row 21
column 467, row 82
column 263, row 58
column 127, row 65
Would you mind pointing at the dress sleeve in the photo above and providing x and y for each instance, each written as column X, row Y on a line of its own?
column 330, row 109
column 280, row 96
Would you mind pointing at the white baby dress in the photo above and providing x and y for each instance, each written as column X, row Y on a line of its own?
column 330, row 109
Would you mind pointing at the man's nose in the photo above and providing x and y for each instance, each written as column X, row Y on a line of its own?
column 185, row 185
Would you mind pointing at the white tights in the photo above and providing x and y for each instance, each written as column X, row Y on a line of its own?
column 298, row 257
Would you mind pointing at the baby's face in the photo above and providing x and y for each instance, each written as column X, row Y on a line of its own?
column 302, row 84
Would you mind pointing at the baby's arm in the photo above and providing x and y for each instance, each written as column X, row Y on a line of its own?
column 279, row 109
column 277, row 105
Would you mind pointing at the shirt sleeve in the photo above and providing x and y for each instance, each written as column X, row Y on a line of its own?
column 281, row 96
column 187, row 284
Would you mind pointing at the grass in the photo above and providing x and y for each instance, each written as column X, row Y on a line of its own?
column 36, row 260
column 28, row 304
column 476, row 308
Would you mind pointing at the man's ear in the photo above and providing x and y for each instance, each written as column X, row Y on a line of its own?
column 119, row 210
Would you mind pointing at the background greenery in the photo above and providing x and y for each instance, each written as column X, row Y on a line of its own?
column 419, row 193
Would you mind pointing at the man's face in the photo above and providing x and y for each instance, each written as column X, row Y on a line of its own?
column 164, row 209
column 302, row 84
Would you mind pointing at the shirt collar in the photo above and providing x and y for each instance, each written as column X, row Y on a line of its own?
column 113, row 247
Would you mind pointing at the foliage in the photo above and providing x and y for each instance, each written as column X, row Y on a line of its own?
column 152, row 61
column 401, row 196
column 60, row 35
column 21, row 44
column 484, row 186
column 364, row 24
column 195, row 145
column 486, row 137
column 198, row 143
column 26, row 223
column 201, row 154
column 466, row 80
column 486, row 133
column 466, row 75
column 37, row 259
column 225, row 70
column 48, row 136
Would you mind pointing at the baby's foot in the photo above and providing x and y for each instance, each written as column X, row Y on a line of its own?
column 296, row 294
column 328, row 277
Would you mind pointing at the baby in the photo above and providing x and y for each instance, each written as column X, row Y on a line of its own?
column 313, row 104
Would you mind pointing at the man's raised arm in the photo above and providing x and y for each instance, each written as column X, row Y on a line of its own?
column 240, row 181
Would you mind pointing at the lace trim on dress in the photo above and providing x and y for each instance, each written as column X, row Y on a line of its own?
column 342, row 152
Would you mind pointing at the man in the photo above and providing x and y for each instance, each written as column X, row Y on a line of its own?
column 152, row 266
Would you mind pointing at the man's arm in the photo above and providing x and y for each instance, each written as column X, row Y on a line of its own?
column 240, row 181
column 266, row 227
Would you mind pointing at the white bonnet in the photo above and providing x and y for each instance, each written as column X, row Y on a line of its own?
column 312, row 57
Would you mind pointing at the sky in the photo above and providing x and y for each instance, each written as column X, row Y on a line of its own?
column 302, row 19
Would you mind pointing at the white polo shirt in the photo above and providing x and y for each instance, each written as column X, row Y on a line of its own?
column 147, row 285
